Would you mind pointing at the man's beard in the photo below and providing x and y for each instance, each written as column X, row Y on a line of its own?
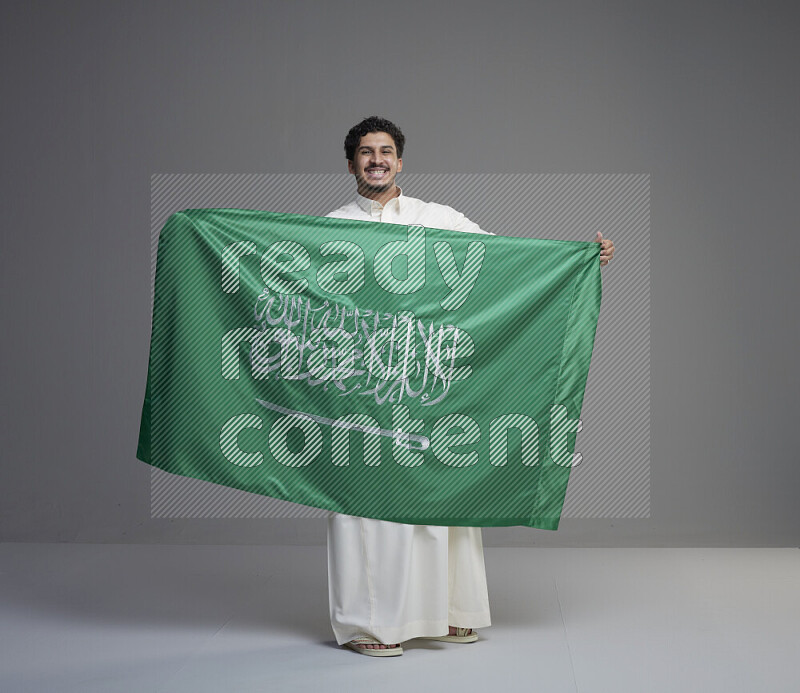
column 369, row 187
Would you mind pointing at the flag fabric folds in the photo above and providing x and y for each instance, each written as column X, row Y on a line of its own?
column 396, row 372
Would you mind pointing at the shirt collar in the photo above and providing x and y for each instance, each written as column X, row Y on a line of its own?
column 368, row 205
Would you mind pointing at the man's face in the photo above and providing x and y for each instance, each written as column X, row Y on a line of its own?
column 375, row 163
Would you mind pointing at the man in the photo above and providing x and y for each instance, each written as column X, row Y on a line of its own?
column 389, row 582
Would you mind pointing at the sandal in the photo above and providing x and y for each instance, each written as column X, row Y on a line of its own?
column 461, row 635
column 373, row 652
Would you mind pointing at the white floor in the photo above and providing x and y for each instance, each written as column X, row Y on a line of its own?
column 177, row 619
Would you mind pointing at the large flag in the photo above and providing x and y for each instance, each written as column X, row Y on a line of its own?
column 396, row 372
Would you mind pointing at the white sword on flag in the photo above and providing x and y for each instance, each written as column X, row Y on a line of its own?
column 402, row 438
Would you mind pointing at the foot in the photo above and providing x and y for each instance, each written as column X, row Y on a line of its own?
column 453, row 631
column 366, row 644
column 455, row 635
column 377, row 647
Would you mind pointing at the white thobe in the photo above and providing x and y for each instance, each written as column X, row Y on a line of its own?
column 395, row 581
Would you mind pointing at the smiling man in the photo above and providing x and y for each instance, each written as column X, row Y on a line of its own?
column 375, row 164
column 374, row 151
column 389, row 582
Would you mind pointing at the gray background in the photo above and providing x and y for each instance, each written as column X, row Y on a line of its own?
column 97, row 97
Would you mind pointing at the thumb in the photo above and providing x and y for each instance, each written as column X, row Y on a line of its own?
column 598, row 238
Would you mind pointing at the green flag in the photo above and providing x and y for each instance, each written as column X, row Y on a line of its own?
column 396, row 372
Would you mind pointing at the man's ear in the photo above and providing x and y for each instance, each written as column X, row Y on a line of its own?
column 350, row 168
column 399, row 165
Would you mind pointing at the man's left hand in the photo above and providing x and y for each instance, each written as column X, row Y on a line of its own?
column 606, row 249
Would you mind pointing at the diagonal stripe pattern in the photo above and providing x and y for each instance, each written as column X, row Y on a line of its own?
column 613, row 479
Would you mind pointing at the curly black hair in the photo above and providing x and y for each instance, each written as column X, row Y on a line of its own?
column 373, row 124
